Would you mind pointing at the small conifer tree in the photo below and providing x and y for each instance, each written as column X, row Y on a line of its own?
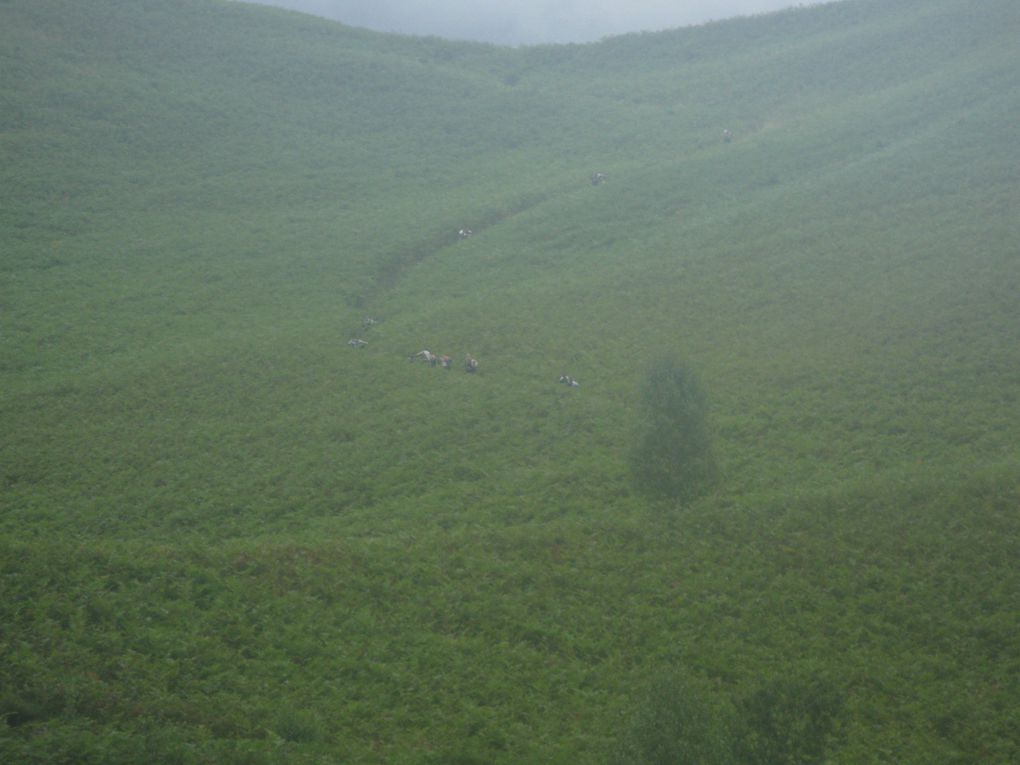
column 673, row 457
column 678, row 723
column 788, row 720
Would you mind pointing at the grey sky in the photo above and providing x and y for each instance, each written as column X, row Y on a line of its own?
column 524, row 22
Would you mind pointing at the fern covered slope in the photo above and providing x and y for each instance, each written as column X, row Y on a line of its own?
column 226, row 535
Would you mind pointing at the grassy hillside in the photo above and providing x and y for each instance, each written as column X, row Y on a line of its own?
column 227, row 536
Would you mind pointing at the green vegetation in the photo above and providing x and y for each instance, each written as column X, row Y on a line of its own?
column 673, row 458
column 787, row 720
column 227, row 536
column 678, row 723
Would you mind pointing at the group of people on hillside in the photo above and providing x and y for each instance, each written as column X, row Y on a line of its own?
column 446, row 362
column 356, row 342
column 471, row 363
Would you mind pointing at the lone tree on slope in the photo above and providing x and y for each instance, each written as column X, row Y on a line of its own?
column 673, row 456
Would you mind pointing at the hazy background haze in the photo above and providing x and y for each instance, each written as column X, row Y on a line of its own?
column 527, row 22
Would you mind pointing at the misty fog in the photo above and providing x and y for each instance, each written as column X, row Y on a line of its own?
column 527, row 22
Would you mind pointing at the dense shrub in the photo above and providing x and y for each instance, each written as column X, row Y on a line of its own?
column 787, row 721
column 673, row 457
column 676, row 724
